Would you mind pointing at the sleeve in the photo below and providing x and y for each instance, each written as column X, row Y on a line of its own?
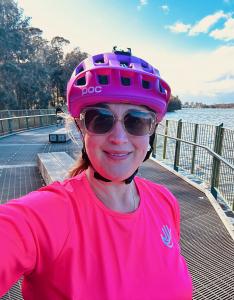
column 33, row 230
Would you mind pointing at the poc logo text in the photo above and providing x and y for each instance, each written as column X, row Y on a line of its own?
column 91, row 90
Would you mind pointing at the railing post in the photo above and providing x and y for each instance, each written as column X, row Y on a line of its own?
column 53, row 120
column 216, row 163
column 26, row 118
column 41, row 121
column 177, row 146
column 165, row 140
column 194, row 149
column 10, row 125
column 2, row 128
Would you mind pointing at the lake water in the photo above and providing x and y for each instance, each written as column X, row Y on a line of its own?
column 214, row 116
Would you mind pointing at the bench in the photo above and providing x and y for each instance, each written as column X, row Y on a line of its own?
column 59, row 136
column 54, row 166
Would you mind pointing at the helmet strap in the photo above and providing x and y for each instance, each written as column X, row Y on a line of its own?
column 151, row 144
column 127, row 181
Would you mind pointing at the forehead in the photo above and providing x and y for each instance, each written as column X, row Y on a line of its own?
column 121, row 106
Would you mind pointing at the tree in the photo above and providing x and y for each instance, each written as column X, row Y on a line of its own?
column 12, row 30
column 33, row 71
column 174, row 104
column 54, row 62
column 72, row 60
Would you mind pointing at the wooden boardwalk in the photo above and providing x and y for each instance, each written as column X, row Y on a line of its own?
column 205, row 242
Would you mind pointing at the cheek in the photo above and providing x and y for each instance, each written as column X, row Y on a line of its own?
column 92, row 145
column 141, row 145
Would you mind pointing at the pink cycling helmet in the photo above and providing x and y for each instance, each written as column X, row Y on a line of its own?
column 117, row 77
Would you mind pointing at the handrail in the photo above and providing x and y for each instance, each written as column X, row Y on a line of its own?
column 208, row 157
column 10, row 125
column 29, row 116
column 201, row 146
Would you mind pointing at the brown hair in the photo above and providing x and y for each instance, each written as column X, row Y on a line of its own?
column 81, row 163
column 79, row 166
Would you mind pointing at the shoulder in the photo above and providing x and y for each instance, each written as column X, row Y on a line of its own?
column 58, row 191
column 157, row 189
column 47, row 213
column 162, row 198
column 47, row 204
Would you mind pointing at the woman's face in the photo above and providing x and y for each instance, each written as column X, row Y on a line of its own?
column 116, row 154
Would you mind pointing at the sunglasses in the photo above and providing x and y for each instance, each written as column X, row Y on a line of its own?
column 98, row 120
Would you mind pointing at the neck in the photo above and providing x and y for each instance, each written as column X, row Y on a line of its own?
column 115, row 195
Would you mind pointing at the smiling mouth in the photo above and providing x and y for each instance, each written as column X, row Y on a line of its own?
column 120, row 155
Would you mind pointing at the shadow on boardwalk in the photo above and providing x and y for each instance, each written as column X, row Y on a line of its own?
column 205, row 242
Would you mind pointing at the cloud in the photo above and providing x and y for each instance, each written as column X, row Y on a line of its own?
column 178, row 27
column 165, row 8
column 206, row 76
column 226, row 33
column 206, row 23
column 227, row 76
column 142, row 3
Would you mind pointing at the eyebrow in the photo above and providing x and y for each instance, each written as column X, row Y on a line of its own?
column 103, row 105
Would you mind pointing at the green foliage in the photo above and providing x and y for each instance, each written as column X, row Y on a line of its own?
column 33, row 71
column 174, row 104
column 72, row 59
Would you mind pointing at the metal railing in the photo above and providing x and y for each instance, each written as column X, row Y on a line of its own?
column 25, row 112
column 14, row 124
column 205, row 151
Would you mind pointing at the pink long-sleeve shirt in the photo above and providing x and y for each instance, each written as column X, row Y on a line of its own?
column 68, row 245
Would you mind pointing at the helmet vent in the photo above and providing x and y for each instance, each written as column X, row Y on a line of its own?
column 144, row 65
column 124, row 64
column 125, row 81
column 99, row 59
column 79, row 70
column 145, row 84
column 103, row 79
column 162, row 90
column 81, row 81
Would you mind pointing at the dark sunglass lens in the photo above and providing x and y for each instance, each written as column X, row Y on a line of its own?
column 98, row 121
column 138, row 123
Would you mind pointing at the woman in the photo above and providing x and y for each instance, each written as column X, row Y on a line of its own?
column 104, row 233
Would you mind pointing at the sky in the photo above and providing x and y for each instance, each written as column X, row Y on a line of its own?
column 190, row 42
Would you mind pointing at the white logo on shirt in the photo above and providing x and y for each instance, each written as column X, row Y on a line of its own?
column 166, row 236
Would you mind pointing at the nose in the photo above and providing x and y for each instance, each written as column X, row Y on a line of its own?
column 118, row 135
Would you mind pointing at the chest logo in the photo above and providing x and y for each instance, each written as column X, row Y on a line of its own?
column 166, row 236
